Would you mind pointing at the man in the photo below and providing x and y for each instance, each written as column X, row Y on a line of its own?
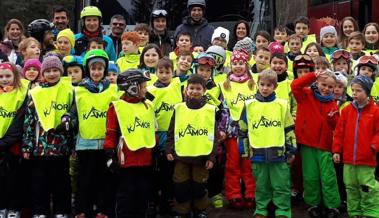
column 118, row 26
column 60, row 20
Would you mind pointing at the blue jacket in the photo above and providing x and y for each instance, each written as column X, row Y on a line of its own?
column 81, row 46
column 201, row 32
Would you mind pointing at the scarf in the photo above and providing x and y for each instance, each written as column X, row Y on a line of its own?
column 90, row 35
column 94, row 87
column 240, row 79
column 159, row 84
column 269, row 98
column 321, row 98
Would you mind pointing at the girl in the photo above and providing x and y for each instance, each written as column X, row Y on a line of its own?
column 149, row 60
column 348, row 25
column 13, row 94
column 328, row 40
column 65, row 42
column 341, row 61
column 314, row 50
column 237, row 88
column 30, row 48
column 262, row 39
column 32, row 72
column 371, row 33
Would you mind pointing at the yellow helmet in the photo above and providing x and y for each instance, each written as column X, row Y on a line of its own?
column 90, row 11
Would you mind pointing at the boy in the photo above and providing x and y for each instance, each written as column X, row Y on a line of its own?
column 113, row 72
column 368, row 66
column 183, row 44
column 342, row 98
column 183, row 65
column 143, row 31
column 219, row 54
column 73, row 67
column 356, row 138
column 356, row 43
column 281, row 34
column 302, row 29
column 270, row 155
column 96, row 43
column 191, row 142
column 302, row 65
column 131, row 56
column 295, row 44
column 262, row 61
column 220, row 37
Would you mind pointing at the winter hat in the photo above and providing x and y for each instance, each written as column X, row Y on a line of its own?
column 51, row 62
column 222, row 33
column 341, row 78
column 69, row 35
column 246, row 44
column 365, row 82
column 276, row 47
column 31, row 63
column 112, row 67
column 327, row 29
column 368, row 60
column 239, row 55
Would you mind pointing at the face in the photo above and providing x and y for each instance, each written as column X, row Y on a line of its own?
column 64, row 46
column 371, row 35
column 14, row 32
column 320, row 67
column 294, row 45
column 278, row 65
column 204, row 71
column 142, row 90
column 95, row 45
column 48, row 39
column 196, row 13
column 112, row 77
column 151, row 58
column 52, row 75
column 198, row 49
column 96, row 71
column 184, row 63
column 341, row 65
column 144, row 37
column 239, row 68
column 347, row 27
column 241, row 31
column 366, row 70
column 339, row 89
column 129, row 47
column 329, row 40
column 194, row 91
column 312, row 52
column 118, row 26
column 184, row 43
column 359, row 93
column 60, row 20
column 280, row 36
column 356, row 46
column 220, row 42
column 262, row 59
column 31, row 74
column 6, row 78
column 325, row 85
column 76, row 74
column 261, row 41
column 302, row 72
column 266, row 87
column 31, row 51
column 164, row 75
column 160, row 24
column 302, row 29
column 92, row 23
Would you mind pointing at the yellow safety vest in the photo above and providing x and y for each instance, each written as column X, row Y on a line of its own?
column 10, row 102
column 370, row 51
column 236, row 96
column 284, row 89
column 228, row 55
column 220, row 78
column 172, row 56
column 266, row 122
column 164, row 102
column 194, row 130
column 153, row 79
column 212, row 96
column 136, row 123
column 51, row 103
column 92, row 111
column 307, row 41
column 128, row 61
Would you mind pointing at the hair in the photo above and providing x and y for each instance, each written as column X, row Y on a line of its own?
column 263, row 48
column 318, row 47
column 165, row 62
column 357, row 36
column 145, row 49
column 264, row 34
column 330, row 74
column 282, row 28
column 238, row 23
column 196, row 79
column 118, row 17
column 98, row 40
column 25, row 43
column 250, row 83
column 131, row 36
column 302, row 19
column 377, row 29
column 184, row 34
column 280, row 56
column 343, row 41
column 320, row 60
column 269, row 75
column 142, row 27
column 19, row 24
column 185, row 53
column 295, row 36
column 16, row 73
column 59, row 9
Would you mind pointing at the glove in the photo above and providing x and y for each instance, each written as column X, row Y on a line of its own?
column 112, row 162
column 65, row 124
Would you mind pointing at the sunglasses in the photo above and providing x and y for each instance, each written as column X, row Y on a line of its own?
column 206, row 60
column 160, row 13
column 368, row 59
column 305, row 57
column 341, row 53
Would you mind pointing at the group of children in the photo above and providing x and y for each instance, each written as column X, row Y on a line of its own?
column 259, row 124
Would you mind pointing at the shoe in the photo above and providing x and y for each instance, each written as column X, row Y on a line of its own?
column 249, row 203
column 259, row 216
column 333, row 213
column 236, row 203
column 39, row 216
column 14, row 214
column 202, row 214
column 60, row 216
column 101, row 215
column 80, row 215
column 3, row 213
column 218, row 201
column 314, row 212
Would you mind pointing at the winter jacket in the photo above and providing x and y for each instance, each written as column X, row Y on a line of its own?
column 357, row 134
column 81, row 46
column 201, row 32
column 313, row 126
column 164, row 42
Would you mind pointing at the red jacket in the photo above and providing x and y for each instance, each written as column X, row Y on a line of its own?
column 357, row 135
column 313, row 126
column 139, row 158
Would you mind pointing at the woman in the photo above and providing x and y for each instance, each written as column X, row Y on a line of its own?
column 240, row 31
column 14, row 31
column 348, row 25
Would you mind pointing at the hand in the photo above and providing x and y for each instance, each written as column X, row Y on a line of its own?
column 331, row 113
column 170, row 157
column 290, row 158
column 26, row 155
column 66, row 121
column 209, row 165
column 222, row 136
column 336, row 158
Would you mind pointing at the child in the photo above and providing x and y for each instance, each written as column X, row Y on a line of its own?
column 96, row 43
column 371, row 33
column 183, row 65
column 198, row 49
column 368, row 66
column 191, row 143
column 295, row 44
column 316, row 117
column 143, row 31
column 321, row 64
column 246, row 44
column 30, row 48
column 13, row 95
column 183, row 44
column 73, row 68
column 131, row 56
column 356, row 139
column 302, row 29
column 238, row 87
column 149, row 60
column 220, row 37
column 302, row 65
column 356, row 44
column 65, row 42
column 339, row 92
column 328, row 40
column 113, row 72
column 270, row 154
column 281, row 34
column 219, row 55
column 46, row 141
column 128, row 143
column 314, row 50
column 341, row 61
column 262, row 61
column 262, row 39
column 32, row 72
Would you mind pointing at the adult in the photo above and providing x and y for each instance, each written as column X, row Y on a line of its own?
column 41, row 30
column 91, row 17
column 14, row 31
column 60, row 20
column 159, row 34
column 240, row 30
column 196, row 24
column 118, row 26
column 348, row 25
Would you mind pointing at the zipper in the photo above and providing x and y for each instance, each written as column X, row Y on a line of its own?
column 356, row 135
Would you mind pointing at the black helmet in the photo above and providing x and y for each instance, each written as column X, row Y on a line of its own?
column 158, row 13
column 130, row 80
column 38, row 28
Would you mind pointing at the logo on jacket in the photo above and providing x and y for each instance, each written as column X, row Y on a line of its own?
column 192, row 131
column 242, row 98
column 55, row 106
column 264, row 122
column 138, row 123
column 165, row 107
column 7, row 114
column 95, row 114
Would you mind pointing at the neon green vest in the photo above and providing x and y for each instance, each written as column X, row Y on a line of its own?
column 284, row 89
column 92, row 111
column 53, row 102
column 307, row 41
column 136, row 123
column 153, row 79
column 370, row 51
column 212, row 96
column 220, row 78
column 10, row 102
column 236, row 96
column 128, row 61
column 194, row 130
column 164, row 102
column 266, row 122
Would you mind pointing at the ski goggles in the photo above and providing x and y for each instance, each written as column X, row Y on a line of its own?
column 304, row 57
column 341, row 53
column 206, row 60
column 368, row 59
column 159, row 13
column 71, row 59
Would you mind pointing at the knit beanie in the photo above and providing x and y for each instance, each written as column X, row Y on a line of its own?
column 222, row 33
column 239, row 55
column 69, row 35
column 112, row 67
column 341, row 78
column 31, row 63
column 51, row 62
column 327, row 29
column 246, row 44
column 276, row 47
column 365, row 82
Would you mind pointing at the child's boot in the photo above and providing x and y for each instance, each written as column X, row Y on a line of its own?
column 333, row 213
column 249, row 203
column 3, row 213
column 201, row 214
column 236, row 203
column 314, row 212
column 60, row 216
column 14, row 214
column 39, row 216
column 218, row 201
